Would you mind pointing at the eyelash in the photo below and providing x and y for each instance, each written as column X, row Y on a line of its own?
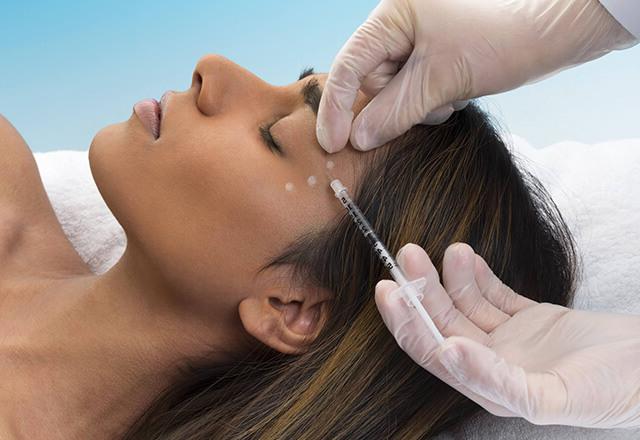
column 268, row 139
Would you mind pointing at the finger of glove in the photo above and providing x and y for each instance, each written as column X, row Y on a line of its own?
column 407, row 100
column 415, row 340
column 379, row 78
column 487, row 375
column 496, row 292
column 412, row 337
column 458, row 276
column 459, row 105
column 442, row 114
column 439, row 115
column 416, row 263
column 390, row 113
column 405, row 325
column 361, row 54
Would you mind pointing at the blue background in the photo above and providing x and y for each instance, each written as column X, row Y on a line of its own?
column 68, row 69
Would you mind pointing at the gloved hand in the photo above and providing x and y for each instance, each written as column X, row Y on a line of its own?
column 422, row 59
column 514, row 356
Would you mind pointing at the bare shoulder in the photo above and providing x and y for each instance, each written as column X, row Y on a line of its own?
column 20, row 183
column 29, row 229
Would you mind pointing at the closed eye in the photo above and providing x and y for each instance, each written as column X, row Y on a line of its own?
column 308, row 95
column 265, row 134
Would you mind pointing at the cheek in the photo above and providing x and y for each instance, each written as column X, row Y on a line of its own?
column 212, row 206
column 225, row 169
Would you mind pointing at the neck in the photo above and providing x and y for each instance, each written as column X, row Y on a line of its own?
column 91, row 352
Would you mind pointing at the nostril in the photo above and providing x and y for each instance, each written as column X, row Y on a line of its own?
column 196, row 79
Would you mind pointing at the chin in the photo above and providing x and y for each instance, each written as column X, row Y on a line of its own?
column 111, row 165
column 100, row 156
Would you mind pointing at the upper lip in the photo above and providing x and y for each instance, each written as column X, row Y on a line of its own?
column 163, row 105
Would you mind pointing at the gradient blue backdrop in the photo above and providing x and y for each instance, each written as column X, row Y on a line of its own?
column 68, row 69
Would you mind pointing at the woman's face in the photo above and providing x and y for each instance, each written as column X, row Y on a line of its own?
column 208, row 201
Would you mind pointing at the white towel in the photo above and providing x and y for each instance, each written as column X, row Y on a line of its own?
column 596, row 187
column 85, row 218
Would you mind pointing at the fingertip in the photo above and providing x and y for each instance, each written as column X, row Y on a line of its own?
column 445, row 344
column 459, row 105
column 383, row 289
column 325, row 141
column 458, row 255
column 456, row 347
column 450, row 342
column 400, row 255
column 414, row 260
column 412, row 247
column 333, row 124
column 386, row 303
column 439, row 115
column 449, row 349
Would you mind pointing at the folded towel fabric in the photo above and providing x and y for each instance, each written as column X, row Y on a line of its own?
column 85, row 218
column 597, row 189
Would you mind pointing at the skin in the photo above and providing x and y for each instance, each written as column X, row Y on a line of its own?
column 204, row 207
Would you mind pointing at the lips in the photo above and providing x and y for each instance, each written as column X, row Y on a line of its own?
column 150, row 114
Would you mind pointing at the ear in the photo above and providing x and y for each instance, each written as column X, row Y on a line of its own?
column 284, row 316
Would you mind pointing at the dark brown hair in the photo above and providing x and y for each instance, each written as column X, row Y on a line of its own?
column 432, row 186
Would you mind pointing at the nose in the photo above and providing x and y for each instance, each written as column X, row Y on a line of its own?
column 224, row 85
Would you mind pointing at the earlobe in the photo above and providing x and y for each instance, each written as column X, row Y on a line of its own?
column 287, row 321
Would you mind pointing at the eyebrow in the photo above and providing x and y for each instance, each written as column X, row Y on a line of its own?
column 311, row 93
column 306, row 72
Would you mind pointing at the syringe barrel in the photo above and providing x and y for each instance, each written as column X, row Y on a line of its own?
column 378, row 247
column 408, row 289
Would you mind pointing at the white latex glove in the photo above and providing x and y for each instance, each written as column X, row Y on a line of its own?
column 449, row 51
column 514, row 356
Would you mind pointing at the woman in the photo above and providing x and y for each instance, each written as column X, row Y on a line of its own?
column 241, row 307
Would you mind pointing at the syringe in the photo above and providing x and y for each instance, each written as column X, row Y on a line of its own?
column 410, row 290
